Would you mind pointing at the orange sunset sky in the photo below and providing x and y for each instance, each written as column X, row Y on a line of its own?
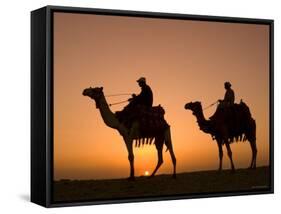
column 182, row 61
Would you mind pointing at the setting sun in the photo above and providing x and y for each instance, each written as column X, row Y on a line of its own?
column 146, row 173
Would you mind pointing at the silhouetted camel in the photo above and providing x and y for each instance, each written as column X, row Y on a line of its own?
column 129, row 135
column 224, row 133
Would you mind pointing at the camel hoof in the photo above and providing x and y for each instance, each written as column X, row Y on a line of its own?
column 174, row 176
column 233, row 170
column 131, row 178
column 151, row 176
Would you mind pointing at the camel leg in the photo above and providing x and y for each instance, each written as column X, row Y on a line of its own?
column 229, row 152
column 254, row 154
column 160, row 159
column 168, row 143
column 251, row 135
column 173, row 157
column 174, row 161
column 129, row 145
column 220, row 154
column 128, row 138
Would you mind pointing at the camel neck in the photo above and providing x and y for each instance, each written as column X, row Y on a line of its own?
column 202, row 122
column 108, row 116
column 200, row 116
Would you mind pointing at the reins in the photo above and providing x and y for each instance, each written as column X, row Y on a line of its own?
column 115, row 95
column 211, row 105
column 111, row 104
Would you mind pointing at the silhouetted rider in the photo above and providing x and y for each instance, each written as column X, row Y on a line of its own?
column 229, row 96
column 145, row 98
column 226, row 105
column 143, row 101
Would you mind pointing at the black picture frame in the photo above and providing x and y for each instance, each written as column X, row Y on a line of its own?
column 42, row 102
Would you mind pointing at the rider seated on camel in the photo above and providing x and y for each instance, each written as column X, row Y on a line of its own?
column 145, row 98
column 229, row 96
column 143, row 101
column 225, row 105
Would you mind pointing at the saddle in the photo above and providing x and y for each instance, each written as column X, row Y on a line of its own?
column 151, row 120
column 235, row 117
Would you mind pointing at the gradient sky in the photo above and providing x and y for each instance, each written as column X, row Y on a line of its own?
column 182, row 60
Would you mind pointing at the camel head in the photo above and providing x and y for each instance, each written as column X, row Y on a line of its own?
column 94, row 93
column 194, row 106
column 197, row 111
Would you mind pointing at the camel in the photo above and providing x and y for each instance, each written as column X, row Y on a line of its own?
column 131, row 134
column 224, row 133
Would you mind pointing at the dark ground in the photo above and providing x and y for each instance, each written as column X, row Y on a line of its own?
column 163, row 185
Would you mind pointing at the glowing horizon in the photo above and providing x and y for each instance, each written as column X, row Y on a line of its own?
column 182, row 61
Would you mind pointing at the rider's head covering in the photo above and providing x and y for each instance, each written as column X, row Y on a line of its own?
column 142, row 79
column 227, row 84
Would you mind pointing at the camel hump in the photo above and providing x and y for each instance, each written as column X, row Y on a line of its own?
column 158, row 110
column 243, row 109
column 151, row 119
column 237, row 118
column 231, row 112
